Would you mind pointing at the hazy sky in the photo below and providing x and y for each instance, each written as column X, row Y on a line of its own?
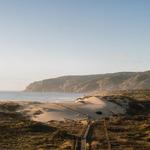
column 47, row 38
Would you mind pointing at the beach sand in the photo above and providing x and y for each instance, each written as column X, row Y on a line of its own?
column 85, row 108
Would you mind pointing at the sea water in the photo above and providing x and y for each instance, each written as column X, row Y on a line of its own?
column 39, row 96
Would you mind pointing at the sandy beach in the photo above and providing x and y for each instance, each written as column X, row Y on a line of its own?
column 91, row 107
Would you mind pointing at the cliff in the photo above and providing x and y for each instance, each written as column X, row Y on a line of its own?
column 90, row 83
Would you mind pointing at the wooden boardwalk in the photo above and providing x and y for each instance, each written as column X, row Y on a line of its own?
column 84, row 136
column 106, row 134
column 81, row 142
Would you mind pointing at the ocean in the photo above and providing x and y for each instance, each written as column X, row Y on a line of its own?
column 39, row 96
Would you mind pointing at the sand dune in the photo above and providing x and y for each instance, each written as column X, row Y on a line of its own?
column 88, row 107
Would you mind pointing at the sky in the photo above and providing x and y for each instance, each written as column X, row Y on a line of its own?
column 42, row 39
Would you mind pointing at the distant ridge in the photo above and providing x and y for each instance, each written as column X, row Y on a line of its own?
column 91, row 83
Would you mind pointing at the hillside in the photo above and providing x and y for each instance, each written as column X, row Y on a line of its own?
column 91, row 83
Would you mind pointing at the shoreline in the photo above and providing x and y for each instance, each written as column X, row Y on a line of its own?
column 81, row 109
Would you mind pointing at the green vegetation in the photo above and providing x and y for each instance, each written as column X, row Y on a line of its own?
column 17, row 132
column 126, row 132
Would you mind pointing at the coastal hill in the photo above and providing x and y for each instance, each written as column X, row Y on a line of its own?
column 91, row 83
